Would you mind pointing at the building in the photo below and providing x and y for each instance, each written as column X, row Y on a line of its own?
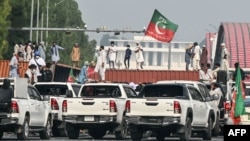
column 157, row 55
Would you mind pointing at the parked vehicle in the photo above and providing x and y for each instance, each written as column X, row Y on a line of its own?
column 245, row 119
column 204, row 89
column 170, row 109
column 99, row 108
column 26, row 112
column 55, row 92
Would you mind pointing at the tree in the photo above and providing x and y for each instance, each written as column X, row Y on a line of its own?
column 5, row 11
column 63, row 15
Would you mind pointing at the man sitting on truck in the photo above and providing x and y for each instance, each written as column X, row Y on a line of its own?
column 6, row 93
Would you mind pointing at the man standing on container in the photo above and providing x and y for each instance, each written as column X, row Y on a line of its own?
column 101, row 62
column 111, row 54
column 128, row 53
column 139, row 56
column 196, row 57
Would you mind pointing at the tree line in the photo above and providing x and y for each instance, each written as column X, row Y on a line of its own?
column 62, row 14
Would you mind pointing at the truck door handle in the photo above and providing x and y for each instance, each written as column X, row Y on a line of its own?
column 151, row 104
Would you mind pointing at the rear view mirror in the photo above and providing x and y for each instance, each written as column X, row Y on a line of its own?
column 69, row 93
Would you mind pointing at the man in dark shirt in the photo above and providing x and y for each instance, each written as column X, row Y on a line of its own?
column 6, row 93
column 127, row 56
column 241, row 72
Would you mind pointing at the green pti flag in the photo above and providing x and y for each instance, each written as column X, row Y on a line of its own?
column 161, row 28
column 71, row 77
column 240, row 97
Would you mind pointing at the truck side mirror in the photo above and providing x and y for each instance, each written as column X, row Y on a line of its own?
column 69, row 93
column 46, row 98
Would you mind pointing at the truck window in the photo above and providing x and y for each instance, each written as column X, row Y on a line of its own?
column 52, row 90
column 130, row 92
column 195, row 94
column 100, row 91
column 162, row 91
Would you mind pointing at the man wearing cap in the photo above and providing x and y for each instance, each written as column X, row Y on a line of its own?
column 224, row 56
column 40, row 65
column 83, row 77
column 203, row 61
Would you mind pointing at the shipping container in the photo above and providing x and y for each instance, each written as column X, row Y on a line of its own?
column 127, row 76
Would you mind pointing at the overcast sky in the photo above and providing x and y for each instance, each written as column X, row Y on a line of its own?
column 194, row 17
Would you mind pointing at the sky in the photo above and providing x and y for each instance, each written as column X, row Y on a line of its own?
column 194, row 17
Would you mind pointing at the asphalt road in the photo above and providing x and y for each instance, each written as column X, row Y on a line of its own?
column 108, row 137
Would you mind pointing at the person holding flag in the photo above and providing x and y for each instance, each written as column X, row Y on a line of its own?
column 238, row 97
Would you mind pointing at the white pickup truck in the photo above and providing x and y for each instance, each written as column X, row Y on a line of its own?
column 55, row 92
column 99, row 108
column 25, row 112
column 170, row 109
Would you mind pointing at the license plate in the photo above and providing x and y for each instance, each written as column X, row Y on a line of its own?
column 89, row 118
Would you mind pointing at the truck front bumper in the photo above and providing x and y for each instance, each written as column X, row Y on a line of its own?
column 90, row 119
column 156, row 121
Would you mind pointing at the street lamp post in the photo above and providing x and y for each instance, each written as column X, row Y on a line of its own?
column 37, row 19
column 31, row 18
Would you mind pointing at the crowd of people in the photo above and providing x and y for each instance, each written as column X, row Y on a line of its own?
column 35, row 54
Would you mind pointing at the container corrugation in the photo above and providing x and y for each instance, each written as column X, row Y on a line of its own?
column 136, row 76
column 147, row 76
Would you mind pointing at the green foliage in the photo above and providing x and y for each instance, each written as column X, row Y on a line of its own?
column 62, row 14
column 5, row 11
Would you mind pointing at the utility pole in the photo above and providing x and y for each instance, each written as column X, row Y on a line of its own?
column 37, row 20
column 41, row 27
column 47, row 23
column 31, row 18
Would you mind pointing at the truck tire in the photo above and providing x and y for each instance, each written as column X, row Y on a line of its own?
column 24, row 130
column 1, row 134
column 122, row 134
column 46, row 133
column 97, row 134
column 207, row 135
column 136, row 135
column 186, row 136
column 216, row 129
column 72, row 130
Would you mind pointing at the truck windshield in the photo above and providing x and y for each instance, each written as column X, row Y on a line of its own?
column 100, row 91
column 162, row 91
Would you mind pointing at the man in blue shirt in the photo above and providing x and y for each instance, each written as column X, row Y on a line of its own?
column 127, row 56
column 83, row 77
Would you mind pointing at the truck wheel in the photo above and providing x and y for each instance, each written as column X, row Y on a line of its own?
column 97, row 134
column 122, row 134
column 207, row 135
column 73, row 131
column 45, row 134
column 216, row 129
column 1, row 134
column 24, row 130
column 186, row 136
column 136, row 135
column 56, row 132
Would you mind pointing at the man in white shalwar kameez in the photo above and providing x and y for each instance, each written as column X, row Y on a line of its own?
column 100, row 65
